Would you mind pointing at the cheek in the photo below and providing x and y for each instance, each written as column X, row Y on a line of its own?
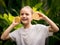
column 30, row 18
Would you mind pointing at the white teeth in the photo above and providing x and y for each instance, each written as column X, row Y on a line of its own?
column 24, row 19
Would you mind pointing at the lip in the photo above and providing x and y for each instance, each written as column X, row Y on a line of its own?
column 24, row 19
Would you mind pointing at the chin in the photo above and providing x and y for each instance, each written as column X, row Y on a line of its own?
column 24, row 22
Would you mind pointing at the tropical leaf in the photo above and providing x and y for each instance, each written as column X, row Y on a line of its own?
column 10, row 17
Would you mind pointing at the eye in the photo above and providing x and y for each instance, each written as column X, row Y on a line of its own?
column 27, row 14
column 22, row 13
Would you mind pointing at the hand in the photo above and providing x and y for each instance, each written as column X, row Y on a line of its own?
column 16, row 21
column 40, row 16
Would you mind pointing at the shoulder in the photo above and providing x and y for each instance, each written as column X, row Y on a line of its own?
column 43, row 28
column 15, row 32
column 18, row 30
column 41, row 25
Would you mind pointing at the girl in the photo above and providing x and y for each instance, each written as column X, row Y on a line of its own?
column 30, row 34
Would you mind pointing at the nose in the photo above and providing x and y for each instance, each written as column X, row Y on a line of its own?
column 24, row 15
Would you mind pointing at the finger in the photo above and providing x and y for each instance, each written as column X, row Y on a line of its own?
column 40, row 14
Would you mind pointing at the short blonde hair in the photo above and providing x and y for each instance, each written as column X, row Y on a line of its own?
column 28, row 7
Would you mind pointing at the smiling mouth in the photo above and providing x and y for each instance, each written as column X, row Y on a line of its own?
column 24, row 19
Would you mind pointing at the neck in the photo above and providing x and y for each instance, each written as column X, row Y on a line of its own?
column 27, row 25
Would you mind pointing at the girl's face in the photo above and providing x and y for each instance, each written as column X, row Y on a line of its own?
column 26, row 16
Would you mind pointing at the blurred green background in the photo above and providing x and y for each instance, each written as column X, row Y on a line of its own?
column 11, row 8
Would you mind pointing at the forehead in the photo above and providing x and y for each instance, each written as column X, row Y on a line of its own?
column 25, row 10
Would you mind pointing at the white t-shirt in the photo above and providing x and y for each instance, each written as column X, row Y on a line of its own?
column 35, row 35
